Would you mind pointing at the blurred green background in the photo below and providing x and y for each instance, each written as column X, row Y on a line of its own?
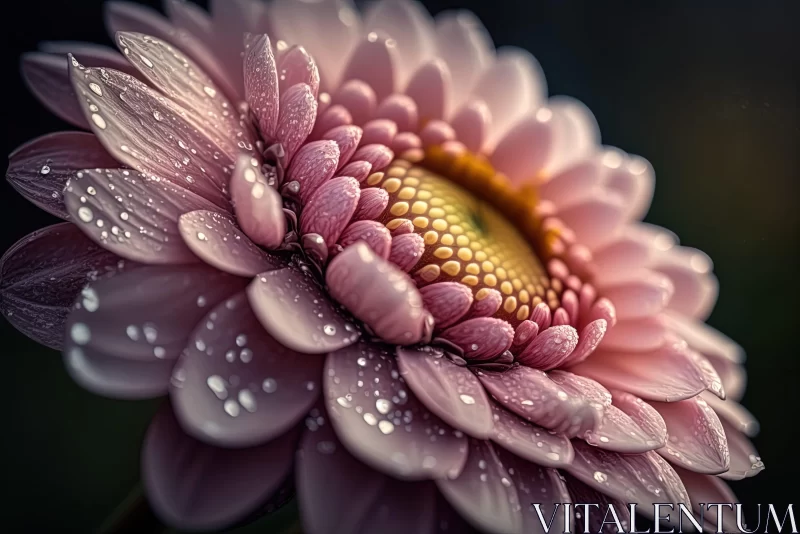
column 706, row 90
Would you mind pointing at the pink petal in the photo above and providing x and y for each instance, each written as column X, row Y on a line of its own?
column 235, row 385
column 635, row 181
column 374, row 62
column 41, row 274
column 47, row 77
column 259, row 208
column 371, row 204
column 576, row 134
column 39, row 169
column 261, row 85
column 147, row 313
column 550, row 348
column 347, row 138
column 410, row 27
column 362, row 395
column 645, row 416
column 447, row 302
column 378, row 156
column 436, row 132
column 379, row 132
column 510, row 86
column 733, row 413
column 641, row 478
column 171, row 144
column 330, row 209
column 572, row 183
column 696, row 437
column 704, row 489
column 530, row 394
column 117, row 378
column 481, row 338
column 181, row 476
column 472, row 124
column 617, row 431
column 373, row 233
column 132, row 17
column 298, row 110
column 365, row 501
column 589, row 339
column 639, row 295
column 595, row 220
column 529, row 441
column 466, row 47
column 704, row 338
column 487, row 303
column 407, row 250
column 450, row 391
column 696, row 288
column 640, row 335
column 333, row 117
column 297, row 66
column 215, row 239
column 314, row 164
column 359, row 100
column 359, row 170
column 745, row 461
column 522, row 152
column 430, row 88
column 400, row 109
column 483, row 492
column 668, row 374
column 296, row 312
column 379, row 294
column 190, row 17
column 132, row 214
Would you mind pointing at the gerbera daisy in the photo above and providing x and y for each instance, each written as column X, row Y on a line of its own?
column 368, row 258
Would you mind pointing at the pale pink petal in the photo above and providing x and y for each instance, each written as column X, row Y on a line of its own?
column 696, row 437
column 576, row 133
column 487, row 303
column 594, row 220
column 529, row 441
column 145, row 313
column 571, row 184
column 190, row 17
column 379, row 131
column 39, row 169
column 132, row 214
column 363, row 389
column 481, row 338
column 259, row 208
column 407, row 250
column 296, row 66
column 696, row 287
column 132, row 17
column 378, row 156
column 550, row 348
column 182, row 476
column 483, row 492
column 745, row 461
column 436, row 132
column 669, row 374
column 330, row 209
column 466, row 47
column 447, row 301
column 374, row 234
column 215, row 239
column 169, row 143
column 261, row 85
column 644, row 415
column 314, row 164
column 117, row 378
column 295, row 310
column 640, row 294
column 400, row 109
column 450, row 391
column 530, row 394
column 430, row 88
column 511, row 86
column 365, row 500
column 235, row 385
column 521, row 153
column 704, row 338
column 633, row 178
column 472, row 124
column 379, row 294
column 42, row 273
column 358, row 98
column 371, row 204
column 733, row 413
column 410, row 26
column 347, row 138
column 704, row 489
column 374, row 62
column 181, row 79
column 359, row 170
column 641, row 478
column 298, row 110
column 589, row 339
column 636, row 335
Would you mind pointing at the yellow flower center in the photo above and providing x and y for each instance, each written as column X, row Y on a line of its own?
column 466, row 223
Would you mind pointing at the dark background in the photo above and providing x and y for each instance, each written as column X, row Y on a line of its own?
column 706, row 90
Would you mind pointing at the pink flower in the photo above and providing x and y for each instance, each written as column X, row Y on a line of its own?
column 373, row 240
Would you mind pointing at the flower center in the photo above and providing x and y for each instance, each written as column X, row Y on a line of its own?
column 468, row 239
